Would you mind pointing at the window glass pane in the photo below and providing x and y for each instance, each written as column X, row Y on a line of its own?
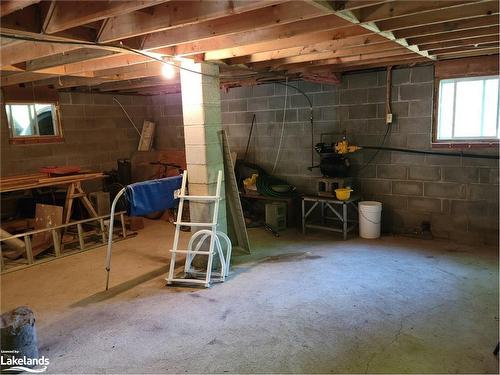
column 45, row 119
column 21, row 120
column 490, row 108
column 468, row 108
column 31, row 120
column 445, row 120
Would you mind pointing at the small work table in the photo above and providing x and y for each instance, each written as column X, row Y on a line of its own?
column 291, row 202
column 329, row 205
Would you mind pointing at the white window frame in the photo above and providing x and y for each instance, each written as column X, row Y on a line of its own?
column 438, row 117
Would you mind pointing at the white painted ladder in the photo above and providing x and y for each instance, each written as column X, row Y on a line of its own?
column 198, row 238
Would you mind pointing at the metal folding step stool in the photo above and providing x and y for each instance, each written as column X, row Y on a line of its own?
column 198, row 239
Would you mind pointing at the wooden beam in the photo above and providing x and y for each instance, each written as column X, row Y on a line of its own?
column 29, row 21
column 24, row 51
column 11, row 6
column 148, row 69
column 130, row 84
column 6, row 69
column 47, row 10
column 461, row 42
column 480, row 52
column 371, row 26
column 115, row 61
column 304, row 53
column 449, row 26
column 174, row 14
column 69, row 14
column 336, row 5
column 479, row 9
column 275, row 33
column 165, row 89
column 456, row 35
column 335, row 36
column 254, row 20
column 465, row 49
column 394, row 9
column 69, row 81
column 396, row 54
column 372, row 48
column 366, row 64
column 83, row 68
column 24, row 77
column 65, row 58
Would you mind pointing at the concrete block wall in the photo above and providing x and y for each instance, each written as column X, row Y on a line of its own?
column 458, row 196
column 167, row 114
column 96, row 133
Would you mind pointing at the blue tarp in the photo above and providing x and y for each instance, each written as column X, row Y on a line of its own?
column 154, row 195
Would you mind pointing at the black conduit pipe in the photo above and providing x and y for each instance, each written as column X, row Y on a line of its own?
column 410, row 151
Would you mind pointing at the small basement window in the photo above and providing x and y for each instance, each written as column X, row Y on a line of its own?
column 33, row 122
column 468, row 109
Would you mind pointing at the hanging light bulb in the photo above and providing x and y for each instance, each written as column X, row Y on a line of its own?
column 168, row 70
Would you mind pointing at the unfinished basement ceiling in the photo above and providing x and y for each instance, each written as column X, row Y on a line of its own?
column 250, row 40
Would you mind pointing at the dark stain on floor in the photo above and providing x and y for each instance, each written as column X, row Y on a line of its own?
column 292, row 257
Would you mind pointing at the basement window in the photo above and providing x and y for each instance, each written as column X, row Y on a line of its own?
column 468, row 110
column 33, row 122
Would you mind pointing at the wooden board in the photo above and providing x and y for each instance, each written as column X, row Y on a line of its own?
column 46, row 216
column 237, row 230
column 147, row 135
column 14, row 183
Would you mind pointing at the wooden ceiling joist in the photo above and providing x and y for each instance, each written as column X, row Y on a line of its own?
column 274, row 64
column 265, row 17
column 470, row 10
column 69, row 14
column 393, row 9
column 275, row 33
column 248, row 39
column 462, row 42
column 459, row 25
column 11, row 6
column 401, row 52
column 167, row 16
column 351, row 16
column 25, row 51
column 334, row 36
column 455, row 35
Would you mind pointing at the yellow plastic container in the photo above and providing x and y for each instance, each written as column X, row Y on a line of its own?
column 343, row 194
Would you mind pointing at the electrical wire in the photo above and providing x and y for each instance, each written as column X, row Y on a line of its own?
column 119, row 47
column 282, row 129
column 126, row 114
column 311, row 117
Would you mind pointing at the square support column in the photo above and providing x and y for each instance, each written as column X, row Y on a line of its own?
column 201, row 110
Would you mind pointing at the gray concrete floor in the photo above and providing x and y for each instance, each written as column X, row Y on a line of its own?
column 299, row 304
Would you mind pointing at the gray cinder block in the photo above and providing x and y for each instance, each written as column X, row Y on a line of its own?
column 407, row 188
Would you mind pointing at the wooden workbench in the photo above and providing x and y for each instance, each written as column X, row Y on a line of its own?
column 38, row 180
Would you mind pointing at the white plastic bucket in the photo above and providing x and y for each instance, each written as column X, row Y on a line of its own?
column 370, row 215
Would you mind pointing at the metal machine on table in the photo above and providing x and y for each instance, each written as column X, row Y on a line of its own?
column 334, row 165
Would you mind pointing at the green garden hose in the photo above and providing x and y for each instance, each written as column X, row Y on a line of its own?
column 265, row 185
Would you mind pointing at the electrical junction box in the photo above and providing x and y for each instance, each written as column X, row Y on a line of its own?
column 388, row 118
